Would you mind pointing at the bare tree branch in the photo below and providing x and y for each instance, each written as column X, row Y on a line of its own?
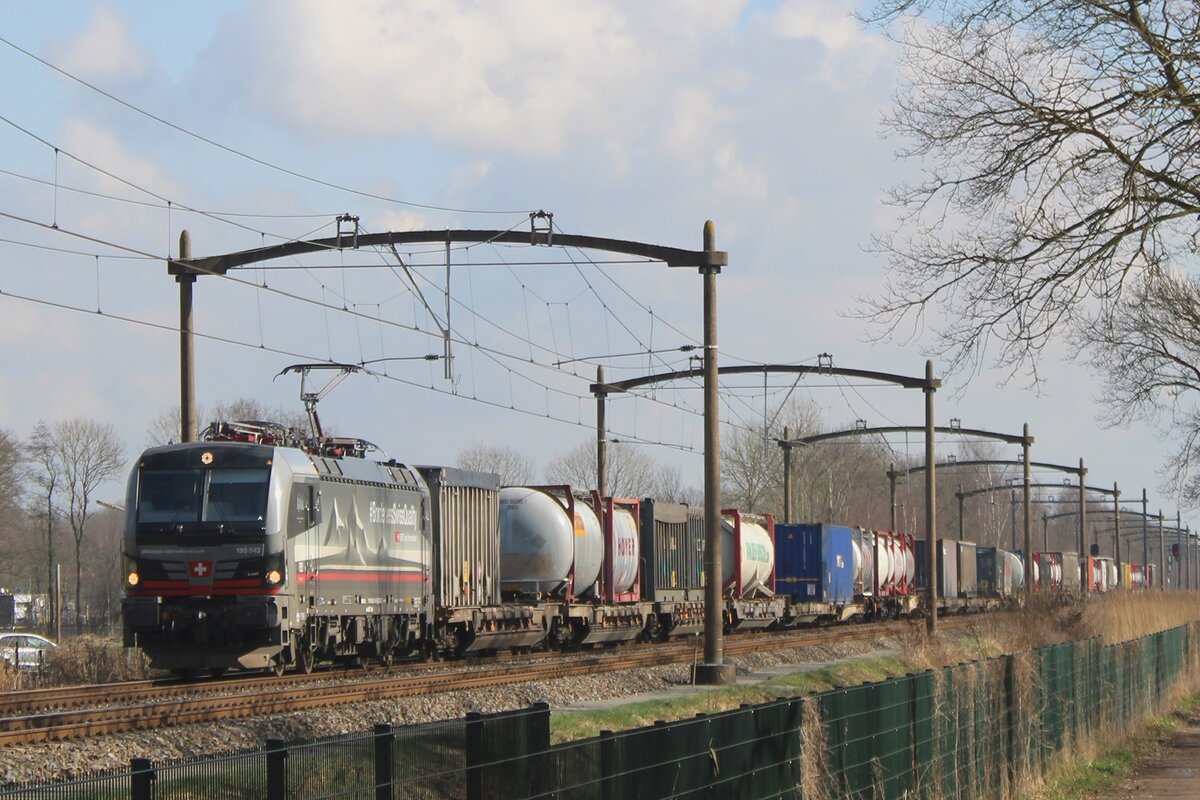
column 1060, row 145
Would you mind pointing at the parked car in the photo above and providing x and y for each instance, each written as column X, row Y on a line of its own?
column 25, row 651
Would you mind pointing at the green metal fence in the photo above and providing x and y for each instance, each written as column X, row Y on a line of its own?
column 976, row 730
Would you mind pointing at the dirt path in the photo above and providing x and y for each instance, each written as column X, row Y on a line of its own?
column 1174, row 771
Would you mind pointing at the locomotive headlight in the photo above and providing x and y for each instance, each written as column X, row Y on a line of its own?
column 132, row 578
column 273, row 573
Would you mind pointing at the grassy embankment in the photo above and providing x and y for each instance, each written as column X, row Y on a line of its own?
column 1116, row 617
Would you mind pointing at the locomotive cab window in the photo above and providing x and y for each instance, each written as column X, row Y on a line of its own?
column 170, row 496
column 236, row 495
column 193, row 495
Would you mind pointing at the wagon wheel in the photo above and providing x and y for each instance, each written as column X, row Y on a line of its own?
column 386, row 654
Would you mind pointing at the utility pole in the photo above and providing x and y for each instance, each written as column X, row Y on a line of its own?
column 931, row 543
column 601, row 437
column 1145, row 536
column 1117, row 534
column 713, row 671
column 187, row 356
column 1028, row 509
column 787, row 475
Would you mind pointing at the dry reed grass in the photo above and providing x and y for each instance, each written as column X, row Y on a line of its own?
column 1121, row 616
column 814, row 756
column 92, row 659
column 1052, row 619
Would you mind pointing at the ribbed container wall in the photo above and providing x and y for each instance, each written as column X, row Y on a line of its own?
column 968, row 583
column 673, row 546
column 465, row 518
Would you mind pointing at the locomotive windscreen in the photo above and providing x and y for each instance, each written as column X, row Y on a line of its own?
column 203, row 495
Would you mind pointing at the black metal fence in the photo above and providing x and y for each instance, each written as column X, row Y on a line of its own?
column 981, row 730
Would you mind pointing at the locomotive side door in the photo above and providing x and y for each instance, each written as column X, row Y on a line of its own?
column 303, row 526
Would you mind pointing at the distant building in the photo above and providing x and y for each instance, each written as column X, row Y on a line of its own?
column 23, row 610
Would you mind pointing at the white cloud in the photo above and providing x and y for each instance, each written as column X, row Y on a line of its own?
column 103, row 50
column 401, row 221
column 851, row 54
column 523, row 76
column 468, row 178
column 105, row 149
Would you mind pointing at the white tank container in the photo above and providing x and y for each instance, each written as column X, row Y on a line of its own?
column 541, row 547
column 626, row 553
column 1018, row 570
column 866, row 546
column 758, row 555
column 910, row 563
column 885, row 564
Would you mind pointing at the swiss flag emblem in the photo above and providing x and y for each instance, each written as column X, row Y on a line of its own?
column 200, row 570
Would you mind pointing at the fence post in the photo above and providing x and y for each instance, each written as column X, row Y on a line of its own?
column 474, row 755
column 384, row 790
column 608, row 765
column 537, row 734
column 141, row 779
column 276, row 769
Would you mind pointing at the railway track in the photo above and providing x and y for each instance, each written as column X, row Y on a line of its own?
column 65, row 713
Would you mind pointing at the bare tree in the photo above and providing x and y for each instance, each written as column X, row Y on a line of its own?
column 752, row 460
column 102, row 561
column 842, row 481
column 1060, row 144
column 1148, row 351
column 21, row 562
column 46, row 470
column 513, row 468
column 87, row 453
column 631, row 472
column 11, row 482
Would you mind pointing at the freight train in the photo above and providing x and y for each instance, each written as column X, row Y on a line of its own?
column 253, row 549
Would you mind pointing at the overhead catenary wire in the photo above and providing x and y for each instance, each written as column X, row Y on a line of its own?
column 307, row 356
column 241, row 154
column 323, row 303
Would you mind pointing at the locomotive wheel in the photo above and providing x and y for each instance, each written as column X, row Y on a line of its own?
column 277, row 666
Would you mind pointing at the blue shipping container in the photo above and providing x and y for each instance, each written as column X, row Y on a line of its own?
column 816, row 562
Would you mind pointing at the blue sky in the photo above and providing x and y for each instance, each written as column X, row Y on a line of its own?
column 627, row 120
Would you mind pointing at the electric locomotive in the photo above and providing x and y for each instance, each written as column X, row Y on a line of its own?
column 255, row 549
